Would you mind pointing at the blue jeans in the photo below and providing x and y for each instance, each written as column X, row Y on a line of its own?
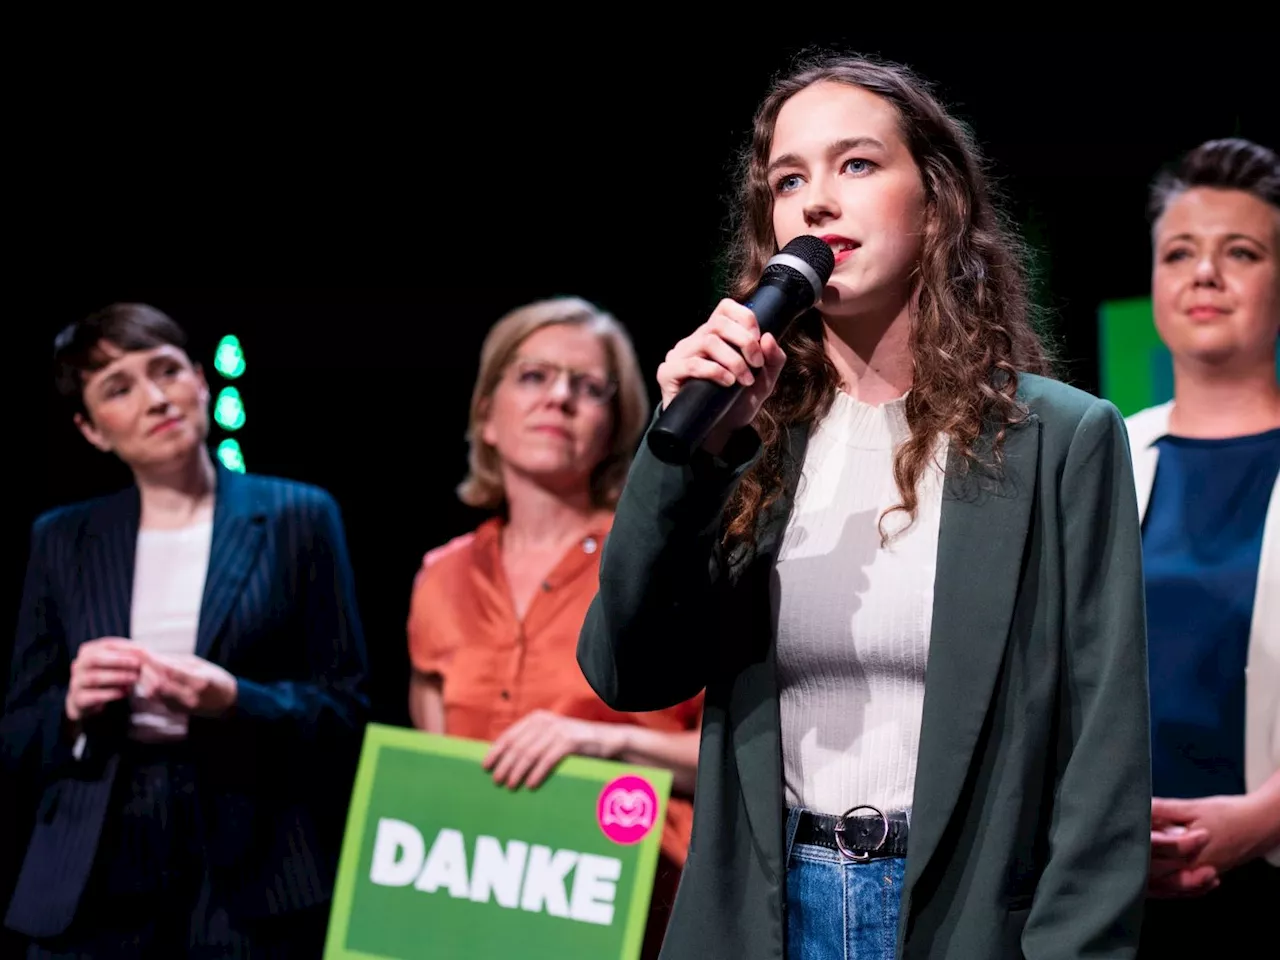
column 840, row 909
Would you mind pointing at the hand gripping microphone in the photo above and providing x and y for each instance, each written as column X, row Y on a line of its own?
column 792, row 283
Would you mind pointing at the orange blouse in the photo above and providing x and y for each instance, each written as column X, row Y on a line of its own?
column 496, row 669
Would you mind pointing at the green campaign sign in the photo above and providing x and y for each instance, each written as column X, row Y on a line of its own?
column 439, row 861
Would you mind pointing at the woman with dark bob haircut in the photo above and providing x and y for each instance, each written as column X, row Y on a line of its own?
column 188, row 685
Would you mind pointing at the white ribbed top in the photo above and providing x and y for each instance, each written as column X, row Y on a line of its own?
column 852, row 618
column 168, row 584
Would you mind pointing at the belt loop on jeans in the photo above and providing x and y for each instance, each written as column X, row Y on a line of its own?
column 793, row 822
column 860, row 856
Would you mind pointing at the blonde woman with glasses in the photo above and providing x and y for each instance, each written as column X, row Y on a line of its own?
column 558, row 407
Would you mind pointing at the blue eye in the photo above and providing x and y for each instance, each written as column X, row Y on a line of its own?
column 858, row 166
column 789, row 182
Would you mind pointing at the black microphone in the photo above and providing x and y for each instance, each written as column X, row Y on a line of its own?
column 792, row 283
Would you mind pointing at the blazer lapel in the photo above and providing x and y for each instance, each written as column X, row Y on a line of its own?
column 237, row 537
column 1262, row 672
column 1145, row 460
column 105, row 581
column 753, row 699
column 1144, row 429
column 106, row 567
column 981, row 540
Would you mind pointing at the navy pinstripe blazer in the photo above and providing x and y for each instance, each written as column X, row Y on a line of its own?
column 279, row 613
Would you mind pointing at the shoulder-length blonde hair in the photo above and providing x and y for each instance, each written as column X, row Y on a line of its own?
column 483, row 484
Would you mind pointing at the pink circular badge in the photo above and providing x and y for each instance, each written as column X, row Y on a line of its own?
column 628, row 809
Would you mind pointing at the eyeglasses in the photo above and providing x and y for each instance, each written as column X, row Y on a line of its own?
column 539, row 376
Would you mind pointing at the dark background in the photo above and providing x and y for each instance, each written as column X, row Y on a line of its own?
column 359, row 206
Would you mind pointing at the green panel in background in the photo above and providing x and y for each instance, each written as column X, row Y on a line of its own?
column 1135, row 369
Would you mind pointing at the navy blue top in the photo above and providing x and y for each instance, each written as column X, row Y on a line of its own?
column 1202, row 540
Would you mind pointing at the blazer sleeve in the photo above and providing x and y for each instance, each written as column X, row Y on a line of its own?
column 1089, row 900
column 330, row 707
column 645, row 641
column 33, row 735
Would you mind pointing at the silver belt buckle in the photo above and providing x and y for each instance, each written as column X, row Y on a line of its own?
column 839, row 831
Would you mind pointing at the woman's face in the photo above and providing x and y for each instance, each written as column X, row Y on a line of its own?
column 148, row 407
column 1215, row 283
column 840, row 169
column 551, row 417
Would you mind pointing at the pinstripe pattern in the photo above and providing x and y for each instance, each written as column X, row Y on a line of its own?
column 279, row 613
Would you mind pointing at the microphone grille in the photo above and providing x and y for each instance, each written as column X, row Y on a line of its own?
column 816, row 253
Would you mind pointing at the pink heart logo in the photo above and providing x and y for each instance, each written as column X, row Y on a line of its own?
column 627, row 809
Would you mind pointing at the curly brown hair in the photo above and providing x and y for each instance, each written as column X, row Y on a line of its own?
column 973, row 329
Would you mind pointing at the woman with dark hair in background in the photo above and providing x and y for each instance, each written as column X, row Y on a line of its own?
column 1206, row 465
column 905, row 567
column 188, row 684
column 557, row 408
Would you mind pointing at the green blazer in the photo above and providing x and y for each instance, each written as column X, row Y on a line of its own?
column 1030, row 826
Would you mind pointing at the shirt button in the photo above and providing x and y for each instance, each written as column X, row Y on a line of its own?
column 546, row 586
column 506, row 694
column 589, row 545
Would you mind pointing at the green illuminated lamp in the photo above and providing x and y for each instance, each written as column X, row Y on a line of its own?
column 230, row 454
column 228, row 360
column 229, row 409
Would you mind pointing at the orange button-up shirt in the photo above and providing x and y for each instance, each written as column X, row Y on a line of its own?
column 495, row 668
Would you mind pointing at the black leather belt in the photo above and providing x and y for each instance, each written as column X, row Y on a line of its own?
column 856, row 838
